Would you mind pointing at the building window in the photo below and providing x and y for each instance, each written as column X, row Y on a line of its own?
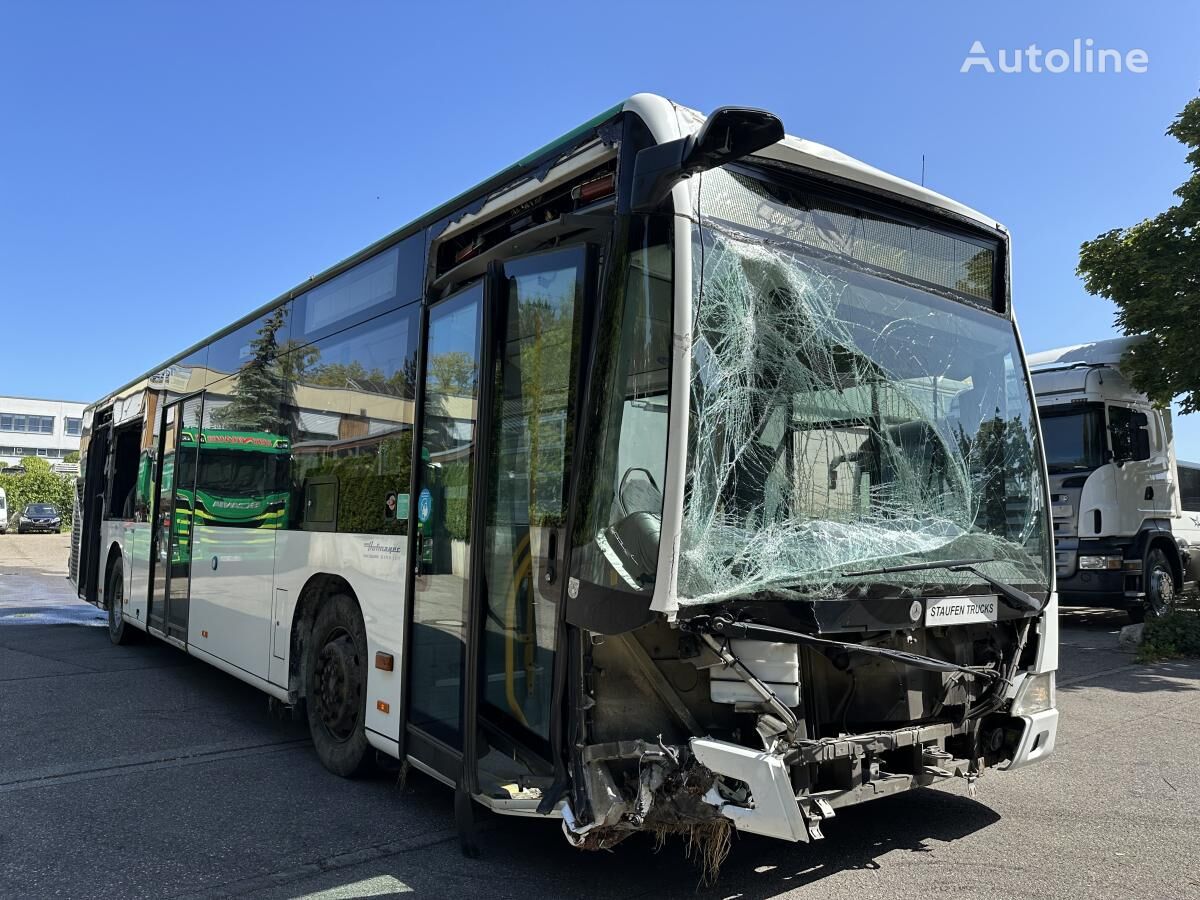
column 31, row 424
column 42, row 451
column 73, row 426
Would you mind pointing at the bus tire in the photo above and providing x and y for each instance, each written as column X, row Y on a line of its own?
column 119, row 631
column 1159, row 582
column 336, row 686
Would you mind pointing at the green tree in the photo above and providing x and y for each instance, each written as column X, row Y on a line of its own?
column 72, row 457
column 453, row 372
column 258, row 403
column 1151, row 271
column 39, row 485
column 34, row 464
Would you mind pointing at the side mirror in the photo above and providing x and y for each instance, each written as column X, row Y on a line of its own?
column 730, row 133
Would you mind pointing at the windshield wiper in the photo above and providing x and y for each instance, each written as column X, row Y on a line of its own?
column 1012, row 596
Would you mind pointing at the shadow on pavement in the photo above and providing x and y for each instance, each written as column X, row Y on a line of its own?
column 1092, row 635
column 857, row 838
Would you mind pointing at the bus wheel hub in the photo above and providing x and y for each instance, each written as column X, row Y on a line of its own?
column 337, row 685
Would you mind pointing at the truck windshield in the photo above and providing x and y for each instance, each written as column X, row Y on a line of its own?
column 1074, row 438
column 855, row 402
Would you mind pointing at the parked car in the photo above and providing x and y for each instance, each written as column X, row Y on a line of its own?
column 39, row 517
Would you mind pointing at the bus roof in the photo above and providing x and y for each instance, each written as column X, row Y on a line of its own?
column 667, row 121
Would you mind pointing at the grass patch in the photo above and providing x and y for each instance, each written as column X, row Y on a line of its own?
column 1174, row 636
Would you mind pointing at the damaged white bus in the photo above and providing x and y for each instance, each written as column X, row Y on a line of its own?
column 682, row 477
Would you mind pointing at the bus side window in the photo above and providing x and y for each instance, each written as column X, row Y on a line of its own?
column 349, row 413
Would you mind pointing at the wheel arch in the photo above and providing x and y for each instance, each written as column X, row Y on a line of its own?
column 318, row 587
column 1165, row 542
column 115, row 555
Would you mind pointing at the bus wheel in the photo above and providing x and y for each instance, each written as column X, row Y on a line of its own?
column 335, row 693
column 119, row 632
column 1160, row 584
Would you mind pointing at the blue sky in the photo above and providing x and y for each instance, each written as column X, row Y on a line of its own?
column 165, row 168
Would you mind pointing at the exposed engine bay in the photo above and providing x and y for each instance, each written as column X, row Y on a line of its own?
column 725, row 722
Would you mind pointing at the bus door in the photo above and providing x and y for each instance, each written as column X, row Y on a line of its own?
column 171, row 538
column 91, row 505
column 446, row 457
column 492, row 502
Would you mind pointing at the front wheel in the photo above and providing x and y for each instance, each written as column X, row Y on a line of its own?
column 335, row 668
column 1159, row 582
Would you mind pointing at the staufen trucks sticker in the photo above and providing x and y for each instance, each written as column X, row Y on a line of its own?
column 961, row 610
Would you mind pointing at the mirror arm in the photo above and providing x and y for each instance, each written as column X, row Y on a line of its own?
column 656, row 170
column 729, row 134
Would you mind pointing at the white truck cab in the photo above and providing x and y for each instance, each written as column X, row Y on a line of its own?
column 1120, row 534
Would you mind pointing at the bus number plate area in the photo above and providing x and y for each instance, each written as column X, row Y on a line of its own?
column 960, row 610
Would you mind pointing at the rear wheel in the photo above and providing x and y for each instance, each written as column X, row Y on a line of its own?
column 336, row 686
column 119, row 631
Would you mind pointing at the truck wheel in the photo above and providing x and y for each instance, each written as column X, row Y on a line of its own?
column 119, row 632
column 335, row 669
column 1159, row 581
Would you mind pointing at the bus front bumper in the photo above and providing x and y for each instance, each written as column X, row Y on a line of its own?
column 755, row 790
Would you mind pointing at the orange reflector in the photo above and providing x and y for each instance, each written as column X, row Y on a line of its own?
column 382, row 707
column 204, row 634
column 383, row 661
column 599, row 187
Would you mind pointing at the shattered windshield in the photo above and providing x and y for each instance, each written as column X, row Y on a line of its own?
column 854, row 404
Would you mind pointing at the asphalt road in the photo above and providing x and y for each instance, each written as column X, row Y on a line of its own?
column 138, row 772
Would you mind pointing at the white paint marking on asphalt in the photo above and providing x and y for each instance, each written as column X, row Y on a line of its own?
column 379, row 886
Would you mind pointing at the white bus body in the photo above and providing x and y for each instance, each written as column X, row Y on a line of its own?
column 479, row 497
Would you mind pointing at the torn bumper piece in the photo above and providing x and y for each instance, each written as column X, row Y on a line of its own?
column 776, row 812
column 1037, row 740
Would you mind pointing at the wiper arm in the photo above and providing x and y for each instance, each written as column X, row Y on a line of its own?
column 1013, row 597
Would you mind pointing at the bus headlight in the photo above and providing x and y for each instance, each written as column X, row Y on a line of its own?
column 1036, row 694
column 1101, row 562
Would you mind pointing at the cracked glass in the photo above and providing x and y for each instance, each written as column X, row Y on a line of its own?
column 855, row 403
